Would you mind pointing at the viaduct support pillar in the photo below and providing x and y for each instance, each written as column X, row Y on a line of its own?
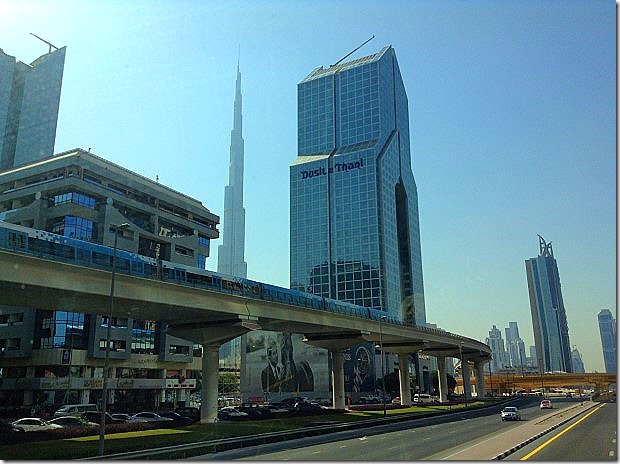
column 466, row 380
column 403, row 374
column 479, row 366
column 443, row 379
column 338, row 379
column 210, row 376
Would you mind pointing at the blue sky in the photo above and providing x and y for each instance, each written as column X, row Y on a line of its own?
column 512, row 115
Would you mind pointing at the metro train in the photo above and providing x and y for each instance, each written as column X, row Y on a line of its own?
column 48, row 245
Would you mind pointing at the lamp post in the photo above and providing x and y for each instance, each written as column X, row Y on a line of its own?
column 382, row 369
column 104, row 391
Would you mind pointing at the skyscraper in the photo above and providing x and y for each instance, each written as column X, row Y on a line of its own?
column 230, row 254
column 354, row 227
column 29, row 101
column 578, row 366
column 496, row 343
column 355, row 234
column 548, row 313
column 515, row 348
column 607, row 328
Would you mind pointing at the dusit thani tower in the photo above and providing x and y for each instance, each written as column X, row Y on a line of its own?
column 354, row 227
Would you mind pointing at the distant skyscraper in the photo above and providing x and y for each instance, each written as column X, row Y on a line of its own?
column 548, row 313
column 578, row 366
column 230, row 255
column 607, row 328
column 29, row 101
column 354, row 223
column 496, row 343
column 515, row 347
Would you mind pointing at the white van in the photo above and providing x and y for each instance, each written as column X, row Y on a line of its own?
column 75, row 409
column 421, row 398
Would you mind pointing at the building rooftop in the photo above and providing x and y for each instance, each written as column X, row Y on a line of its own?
column 333, row 69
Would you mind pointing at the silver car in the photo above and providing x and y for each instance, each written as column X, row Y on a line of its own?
column 510, row 413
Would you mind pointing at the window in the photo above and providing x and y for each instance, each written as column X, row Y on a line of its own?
column 61, row 329
column 179, row 349
column 115, row 345
column 75, row 227
column 77, row 198
column 117, row 322
column 143, row 337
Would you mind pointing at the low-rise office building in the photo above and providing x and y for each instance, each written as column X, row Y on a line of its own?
column 50, row 358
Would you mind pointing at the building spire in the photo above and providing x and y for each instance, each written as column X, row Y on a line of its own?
column 230, row 259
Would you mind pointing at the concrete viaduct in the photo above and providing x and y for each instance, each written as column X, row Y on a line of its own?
column 212, row 318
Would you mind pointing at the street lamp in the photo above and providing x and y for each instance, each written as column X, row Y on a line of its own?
column 381, row 318
column 104, row 392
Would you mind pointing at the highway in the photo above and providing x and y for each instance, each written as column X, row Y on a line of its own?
column 433, row 438
column 588, row 437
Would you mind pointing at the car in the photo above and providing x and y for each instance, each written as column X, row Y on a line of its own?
column 545, row 404
column 189, row 411
column 151, row 417
column 510, row 413
column 95, row 416
column 72, row 421
column 178, row 418
column 75, row 409
column 123, row 417
column 34, row 424
column 230, row 413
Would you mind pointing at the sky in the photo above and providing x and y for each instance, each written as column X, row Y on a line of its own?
column 512, row 112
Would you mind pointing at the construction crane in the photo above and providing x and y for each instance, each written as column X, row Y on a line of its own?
column 353, row 51
column 43, row 40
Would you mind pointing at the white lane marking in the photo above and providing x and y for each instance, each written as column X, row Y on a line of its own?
column 315, row 452
column 343, row 446
column 363, row 438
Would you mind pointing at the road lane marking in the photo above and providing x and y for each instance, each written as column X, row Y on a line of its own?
column 315, row 452
column 529, row 455
column 343, row 446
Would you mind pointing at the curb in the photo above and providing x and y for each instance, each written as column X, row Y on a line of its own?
column 508, row 452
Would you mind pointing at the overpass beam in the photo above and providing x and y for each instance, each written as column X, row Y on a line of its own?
column 479, row 366
column 338, row 379
column 466, row 380
column 403, row 374
column 443, row 379
column 210, row 377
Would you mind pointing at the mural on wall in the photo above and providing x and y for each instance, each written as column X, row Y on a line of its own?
column 278, row 365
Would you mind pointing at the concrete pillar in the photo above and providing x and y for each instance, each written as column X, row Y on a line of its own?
column 403, row 374
column 466, row 381
column 443, row 379
column 338, row 379
column 210, row 377
column 479, row 366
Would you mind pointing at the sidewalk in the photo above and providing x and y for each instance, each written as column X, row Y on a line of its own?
column 500, row 445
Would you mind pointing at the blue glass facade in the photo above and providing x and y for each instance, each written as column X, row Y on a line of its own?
column 354, row 215
column 607, row 329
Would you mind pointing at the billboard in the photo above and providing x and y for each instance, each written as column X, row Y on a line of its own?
column 277, row 365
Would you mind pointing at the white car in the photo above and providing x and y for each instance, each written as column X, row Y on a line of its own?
column 510, row 413
column 150, row 417
column 34, row 424
column 72, row 421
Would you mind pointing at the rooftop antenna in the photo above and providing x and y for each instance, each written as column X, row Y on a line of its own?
column 351, row 52
column 43, row 40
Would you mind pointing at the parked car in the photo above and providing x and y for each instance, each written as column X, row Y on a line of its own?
column 545, row 404
column 75, row 409
column 510, row 413
column 178, row 418
column 230, row 413
column 34, row 424
column 72, row 421
column 277, row 408
column 126, row 418
column 95, row 416
column 151, row 417
column 188, row 411
column 422, row 398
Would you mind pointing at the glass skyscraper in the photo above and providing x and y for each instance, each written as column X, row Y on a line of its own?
column 607, row 328
column 548, row 313
column 354, row 227
column 355, row 234
column 29, row 101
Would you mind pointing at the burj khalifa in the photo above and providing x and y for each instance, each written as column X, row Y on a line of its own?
column 230, row 255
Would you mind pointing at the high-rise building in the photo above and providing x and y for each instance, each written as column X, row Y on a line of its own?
column 29, row 101
column 548, row 313
column 515, row 348
column 496, row 343
column 607, row 328
column 578, row 366
column 354, row 223
column 230, row 254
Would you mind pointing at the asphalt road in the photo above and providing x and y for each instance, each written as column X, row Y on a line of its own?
column 588, row 437
column 432, row 438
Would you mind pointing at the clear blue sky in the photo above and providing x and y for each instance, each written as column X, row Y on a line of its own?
column 512, row 112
